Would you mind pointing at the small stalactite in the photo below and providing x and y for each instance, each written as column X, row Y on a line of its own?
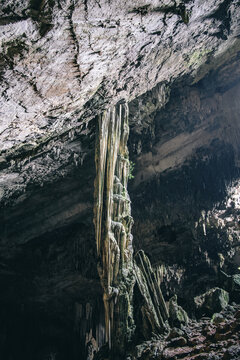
column 113, row 223
column 89, row 328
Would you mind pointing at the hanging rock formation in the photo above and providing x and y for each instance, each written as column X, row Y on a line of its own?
column 113, row 224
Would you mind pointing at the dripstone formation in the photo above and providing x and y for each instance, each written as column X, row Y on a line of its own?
column 113, row 223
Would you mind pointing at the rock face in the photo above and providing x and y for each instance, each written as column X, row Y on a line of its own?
column 63, row 66
column 91, row 55
column 178, row 315
column 199, row 340
column 212, row 301
column 185, row 191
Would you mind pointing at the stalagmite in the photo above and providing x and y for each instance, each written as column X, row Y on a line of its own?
column 113, row 222
column 153, row 308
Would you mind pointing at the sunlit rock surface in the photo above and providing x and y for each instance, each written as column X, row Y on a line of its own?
column 63, row 62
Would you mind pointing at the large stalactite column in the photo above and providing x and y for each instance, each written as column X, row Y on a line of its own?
column 113, row 224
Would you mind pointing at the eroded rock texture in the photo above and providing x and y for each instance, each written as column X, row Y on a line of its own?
column 63, row 65
column 215, row 339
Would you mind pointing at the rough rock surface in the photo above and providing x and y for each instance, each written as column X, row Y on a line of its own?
column 200, row 340
column 61, row 64
column 185, row 192
column 177, row 314
column 212, row 301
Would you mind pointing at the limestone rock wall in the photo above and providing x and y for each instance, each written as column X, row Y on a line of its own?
column 64, row 62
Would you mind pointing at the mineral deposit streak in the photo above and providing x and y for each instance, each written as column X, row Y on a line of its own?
column 113, row 223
